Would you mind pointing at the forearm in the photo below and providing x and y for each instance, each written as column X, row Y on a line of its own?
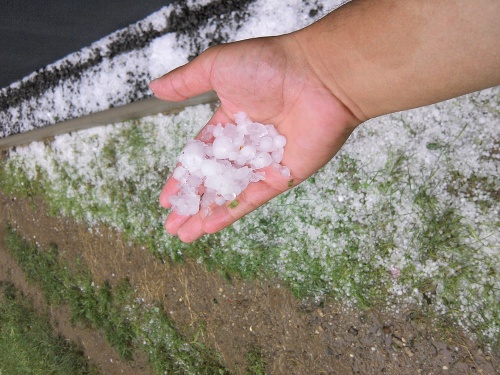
column 384, row 56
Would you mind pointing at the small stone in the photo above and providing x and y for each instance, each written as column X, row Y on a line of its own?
column 408, row 352
column 352, row 331
column 387, row 330
column 421, row 327
column 445, row 367
column 398, row 342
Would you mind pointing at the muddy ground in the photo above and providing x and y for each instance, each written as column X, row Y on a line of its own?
column 295, row 337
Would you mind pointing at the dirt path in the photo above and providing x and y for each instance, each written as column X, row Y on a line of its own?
column 234, row 318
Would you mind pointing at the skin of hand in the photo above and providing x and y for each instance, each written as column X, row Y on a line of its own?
column 272, row 83
column 316, row 85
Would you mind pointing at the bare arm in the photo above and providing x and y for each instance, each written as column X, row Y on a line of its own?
column 383, row 56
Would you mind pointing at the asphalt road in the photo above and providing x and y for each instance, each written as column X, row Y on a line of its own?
column 35, row 33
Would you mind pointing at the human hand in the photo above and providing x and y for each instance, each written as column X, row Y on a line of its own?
column 271, row 80
column 315, row 86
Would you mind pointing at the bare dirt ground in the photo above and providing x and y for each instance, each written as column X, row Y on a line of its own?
column 295, row 337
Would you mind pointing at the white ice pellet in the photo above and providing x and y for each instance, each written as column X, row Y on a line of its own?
column 222, row 147
column 259, row 176
column 272, row 132
column 256, row 130
column 209, row 150
column 223, row 184
column 207, row 133
column 224, row 161
column 186, row 203
column 219, row 200
column 279, row 141
column 262, row 160
column 285, row 172
column 217, row 130
column 180, row 173
column 230, row 131
column 194, row 181
column 192, row 155
column 266, row 144
column 277, row 156
column 208, row 197
column 248, row 151
column 233, row 155
column 210, row 167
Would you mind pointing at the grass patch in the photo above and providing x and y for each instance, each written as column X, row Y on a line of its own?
column 255, row 362
column 128, row 324
column 27, row 344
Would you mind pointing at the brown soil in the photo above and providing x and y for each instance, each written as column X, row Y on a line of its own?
column 295, row 337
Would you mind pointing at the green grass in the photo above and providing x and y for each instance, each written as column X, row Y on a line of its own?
column 102, row 307
column 27, row 344
column 128, row 325
column 255, row 362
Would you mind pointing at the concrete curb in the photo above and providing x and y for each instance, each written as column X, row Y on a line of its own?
column 142, row 108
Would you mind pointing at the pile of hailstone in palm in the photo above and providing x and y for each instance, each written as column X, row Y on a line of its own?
column 223, row 161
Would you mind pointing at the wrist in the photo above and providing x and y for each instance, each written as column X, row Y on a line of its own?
column 379, row 57
column 327, row 51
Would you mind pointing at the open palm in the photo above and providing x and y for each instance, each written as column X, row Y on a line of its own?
column 271, row 81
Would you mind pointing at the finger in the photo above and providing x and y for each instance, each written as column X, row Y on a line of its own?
column 186, row 81
column 170, row 188
column 255, row 195
column 174, row 221
column 192, row 232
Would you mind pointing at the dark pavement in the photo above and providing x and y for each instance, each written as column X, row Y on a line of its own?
column 35, row 33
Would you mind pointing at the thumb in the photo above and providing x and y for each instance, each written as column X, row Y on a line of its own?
column 186, row 81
